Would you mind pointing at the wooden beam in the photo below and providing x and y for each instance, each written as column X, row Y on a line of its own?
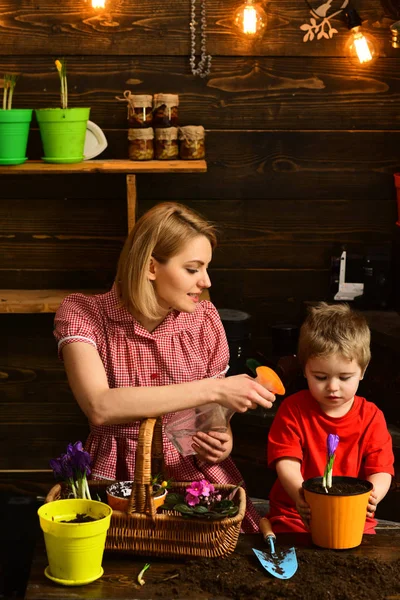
column 131, row 198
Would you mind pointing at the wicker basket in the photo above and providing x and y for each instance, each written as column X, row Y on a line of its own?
column 142, row 531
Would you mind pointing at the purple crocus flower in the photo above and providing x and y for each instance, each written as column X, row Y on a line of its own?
column 332, row 444
column 73, row 467
column 56, row 465
column 80, row 459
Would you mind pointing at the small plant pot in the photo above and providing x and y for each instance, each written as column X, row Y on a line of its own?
column 338, row 518
column 14, row 133
column 118, row 495
column 63, row 133
column 74, row 550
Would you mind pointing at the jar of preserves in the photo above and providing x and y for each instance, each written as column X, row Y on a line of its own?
column 166, row 144
column 191, row 139
column 140, row 109
column 165, row 110
column 140, row 144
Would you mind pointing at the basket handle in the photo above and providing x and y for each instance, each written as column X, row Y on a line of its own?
column 149, row 447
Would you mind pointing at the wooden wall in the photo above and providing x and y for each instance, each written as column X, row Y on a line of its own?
column 301, row 148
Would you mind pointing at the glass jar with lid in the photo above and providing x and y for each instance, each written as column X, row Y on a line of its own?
column 191, row 139
column 140, row 144
column 140, row 110
column 166, row 144
column 165, row 110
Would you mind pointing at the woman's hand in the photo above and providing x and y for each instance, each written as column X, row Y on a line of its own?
column 372, row 504
column 212, row 447
column 241, row 393
column 303, row 508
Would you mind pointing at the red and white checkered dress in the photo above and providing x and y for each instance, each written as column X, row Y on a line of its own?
column 184, row 347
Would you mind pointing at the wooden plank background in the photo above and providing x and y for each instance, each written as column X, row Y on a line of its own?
column 301, row 150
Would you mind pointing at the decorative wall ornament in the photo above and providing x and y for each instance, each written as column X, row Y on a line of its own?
column 323, row 28
column 204, row 65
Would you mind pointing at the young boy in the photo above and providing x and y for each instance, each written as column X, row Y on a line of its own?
column 334, row 352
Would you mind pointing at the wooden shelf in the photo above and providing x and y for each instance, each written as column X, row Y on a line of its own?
column 32, row 167
column 35, row 301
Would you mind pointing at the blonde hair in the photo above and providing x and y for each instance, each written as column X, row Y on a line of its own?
column 334, row 329
column 160, row 233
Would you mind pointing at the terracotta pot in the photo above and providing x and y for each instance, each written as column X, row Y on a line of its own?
column 337, row 521
column 118, row 503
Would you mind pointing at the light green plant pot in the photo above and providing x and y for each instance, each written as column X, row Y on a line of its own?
column 63, row 133
column 14, row 133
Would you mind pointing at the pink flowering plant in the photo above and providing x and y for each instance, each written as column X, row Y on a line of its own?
column 201, row 499
column 73, row 468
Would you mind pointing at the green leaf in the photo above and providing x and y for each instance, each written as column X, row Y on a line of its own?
column 184, row 509
column 225, row 504
column 200, row 509
column 172, row 499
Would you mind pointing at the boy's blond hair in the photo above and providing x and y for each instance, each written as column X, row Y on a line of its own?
column 161, row 233
column 334, row 329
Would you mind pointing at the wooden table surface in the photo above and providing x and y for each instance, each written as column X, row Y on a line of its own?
column 120, row 571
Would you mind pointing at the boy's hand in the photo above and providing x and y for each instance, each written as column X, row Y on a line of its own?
column 303, row 508
column 372, row 504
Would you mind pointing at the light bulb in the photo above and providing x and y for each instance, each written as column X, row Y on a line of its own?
column 360, row 45
column 251, row 18
column 98, row 3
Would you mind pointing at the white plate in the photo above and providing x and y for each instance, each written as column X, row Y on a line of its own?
column 95, row 141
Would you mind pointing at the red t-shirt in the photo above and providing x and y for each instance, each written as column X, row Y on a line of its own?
column 300, row 430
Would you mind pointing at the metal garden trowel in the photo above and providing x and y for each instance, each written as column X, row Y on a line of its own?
column 281, row 564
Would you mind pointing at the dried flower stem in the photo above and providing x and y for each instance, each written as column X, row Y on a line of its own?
column 62, row 71
column 10, row 80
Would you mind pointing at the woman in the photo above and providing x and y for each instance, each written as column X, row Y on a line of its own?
column 150, row 348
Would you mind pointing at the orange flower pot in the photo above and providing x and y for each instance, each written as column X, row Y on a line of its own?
column 337, row 521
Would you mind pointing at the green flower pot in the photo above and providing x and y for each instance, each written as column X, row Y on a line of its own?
column 14, row 132
column 63, row 133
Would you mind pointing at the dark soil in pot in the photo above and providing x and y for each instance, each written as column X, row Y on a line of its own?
column 341, row 486
column 82, row 518
column 123, row 489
